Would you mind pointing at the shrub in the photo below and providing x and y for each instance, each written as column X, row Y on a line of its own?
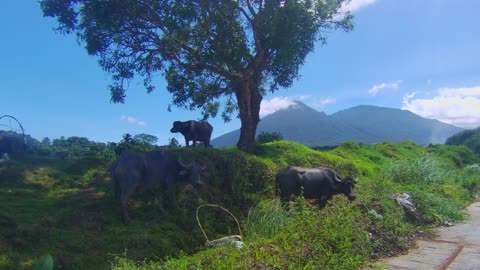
column 265, row 137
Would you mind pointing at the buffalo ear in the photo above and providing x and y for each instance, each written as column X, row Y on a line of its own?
column 354, row 178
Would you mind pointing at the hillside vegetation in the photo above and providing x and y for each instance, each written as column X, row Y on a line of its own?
column 65, row 207
column 469, row 138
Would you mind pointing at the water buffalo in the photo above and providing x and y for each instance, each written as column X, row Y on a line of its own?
column 193, row 131
column 12, row 143
column 150, row 170
column 317, row 183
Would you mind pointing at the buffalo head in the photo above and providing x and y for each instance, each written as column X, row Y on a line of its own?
column 192, row 172
column 347, row 186
column 177, row 127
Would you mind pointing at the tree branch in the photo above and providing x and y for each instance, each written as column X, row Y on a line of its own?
column 245, row 14
column 201, row 63
column 250, row 8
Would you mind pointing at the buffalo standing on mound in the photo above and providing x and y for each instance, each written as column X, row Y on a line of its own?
column 194, row 131
column 151, row 170
column 317, row 183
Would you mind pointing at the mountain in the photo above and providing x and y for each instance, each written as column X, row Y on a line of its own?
column 364, row 124
column 388, row 124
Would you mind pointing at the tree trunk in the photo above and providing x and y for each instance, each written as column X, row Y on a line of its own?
column 249, row 100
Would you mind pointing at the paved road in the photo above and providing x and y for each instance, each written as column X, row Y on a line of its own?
column 453, row 248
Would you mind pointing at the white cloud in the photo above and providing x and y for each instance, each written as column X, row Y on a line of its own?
column 132, row 120
column 384, row 86
column 460, row 92
column 279, row 103
column 319, row 104
column 276, row 104
column 456, row 106
column 355, row 5
column 409, row 96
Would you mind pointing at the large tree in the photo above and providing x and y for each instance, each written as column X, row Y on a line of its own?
column 211, row 52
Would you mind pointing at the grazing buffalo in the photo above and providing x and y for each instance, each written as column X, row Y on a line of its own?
column 317, row 183
column 150, row 170
column 194, row 131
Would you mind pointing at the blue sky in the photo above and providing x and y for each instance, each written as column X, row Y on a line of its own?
column 423, row 56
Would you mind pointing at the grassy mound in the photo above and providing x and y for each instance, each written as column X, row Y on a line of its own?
column 66, row 208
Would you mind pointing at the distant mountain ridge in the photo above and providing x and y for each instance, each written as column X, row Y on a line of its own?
column 363, row 124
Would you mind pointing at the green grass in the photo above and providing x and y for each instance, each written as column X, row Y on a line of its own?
column 66, row 208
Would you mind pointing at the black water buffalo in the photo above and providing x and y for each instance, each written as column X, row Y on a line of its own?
column 12, row 143
column 150, row 170
column 317, row 183
column 194, row 131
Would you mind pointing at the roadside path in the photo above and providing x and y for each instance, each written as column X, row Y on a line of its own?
column 453, row 248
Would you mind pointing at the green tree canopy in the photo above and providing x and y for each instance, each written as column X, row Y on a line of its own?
column 145, row 139
column 137, row 143
column 209, row 51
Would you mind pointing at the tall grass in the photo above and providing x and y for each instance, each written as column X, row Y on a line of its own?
column 266, row 219
column 424, row 170
column 438, row 193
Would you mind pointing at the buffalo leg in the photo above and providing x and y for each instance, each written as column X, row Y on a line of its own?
column 284, row 202
column 124, row 200
column 160, row 202
column 124, row 206
column 323, row 201
column 172, row 198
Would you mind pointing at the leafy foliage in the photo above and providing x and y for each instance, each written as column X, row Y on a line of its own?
column 208, row 51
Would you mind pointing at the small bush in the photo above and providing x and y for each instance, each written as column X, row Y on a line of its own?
column 265, row 137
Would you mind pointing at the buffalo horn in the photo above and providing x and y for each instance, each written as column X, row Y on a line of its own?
column 185, row 166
